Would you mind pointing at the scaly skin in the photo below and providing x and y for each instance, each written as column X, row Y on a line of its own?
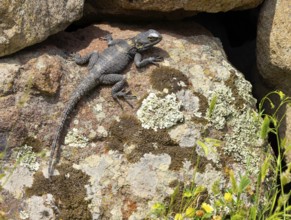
column 105, row 68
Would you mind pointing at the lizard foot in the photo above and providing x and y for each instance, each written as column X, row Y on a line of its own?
column 124, row 95
column 155, row 60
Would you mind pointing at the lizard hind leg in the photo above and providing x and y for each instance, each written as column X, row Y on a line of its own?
column 90, row 58
column 118, row 91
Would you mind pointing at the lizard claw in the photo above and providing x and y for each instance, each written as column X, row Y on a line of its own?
column 125, row 95
column 159, row 59
column 155, row 60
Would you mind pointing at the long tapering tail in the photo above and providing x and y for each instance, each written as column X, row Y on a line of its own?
column 86, row 85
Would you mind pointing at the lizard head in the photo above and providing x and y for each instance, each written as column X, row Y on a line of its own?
column 146, row 40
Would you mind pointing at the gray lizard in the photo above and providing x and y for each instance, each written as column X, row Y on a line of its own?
column 105, row 68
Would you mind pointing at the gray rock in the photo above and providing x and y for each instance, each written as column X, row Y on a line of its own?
column 24, row 23
column 141, row 159
column 171, row 9
column 273, row 44
column 274, row 58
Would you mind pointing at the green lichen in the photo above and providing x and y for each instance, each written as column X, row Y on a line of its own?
column 159, row 113
column 75, row 139
column 233, row 110
column 244, row 137
column 223, row 108
column 27, row 158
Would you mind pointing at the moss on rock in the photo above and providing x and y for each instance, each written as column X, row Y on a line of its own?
column 68, row 190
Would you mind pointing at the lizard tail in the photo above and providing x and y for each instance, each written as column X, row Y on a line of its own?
column 86, row 85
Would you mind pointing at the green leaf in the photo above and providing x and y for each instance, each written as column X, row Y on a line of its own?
column 173, row 196
column 198, row 190
column 281, row 94
column 203, row 146
column 187, row 193
column 212, row 105
column 285, row 178
column 265, row 167
column 272, row 105
column 237, row 217
column 265, row 127
column 215, row 187
column 213, row 142
column 233, row 182
column 244, row 182
column 253, row 212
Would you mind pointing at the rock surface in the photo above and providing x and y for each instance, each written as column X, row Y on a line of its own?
column 274, row 44
column 116, row 164
column 274, row 56
column 24, row 23
column 170, row 9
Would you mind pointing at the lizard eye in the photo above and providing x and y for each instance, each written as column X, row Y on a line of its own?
column 151, row 38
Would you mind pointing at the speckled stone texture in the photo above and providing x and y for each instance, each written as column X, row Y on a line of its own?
column 115, row 164
column 171, row 9
column 273, row 43
column 274, row 56
column 24, row 23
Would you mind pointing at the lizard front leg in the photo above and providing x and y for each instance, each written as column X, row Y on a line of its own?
column 139, row 62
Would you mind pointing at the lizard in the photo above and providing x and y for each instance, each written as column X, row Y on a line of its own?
column 105, row 69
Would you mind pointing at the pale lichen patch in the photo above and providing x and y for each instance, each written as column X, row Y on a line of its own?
column 223, row 107
column 159, row 113
column 184, row 134
column 144, row 176
column 75, row 139
column 39, row 207
column 244, row 139
column 147, row 179
column 16, row 181
column 28, row 158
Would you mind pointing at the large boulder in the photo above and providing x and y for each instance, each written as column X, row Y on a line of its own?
column 274, row 58
column 273, row 44
column 170, row 9
column 115, row 164
column 24, row 23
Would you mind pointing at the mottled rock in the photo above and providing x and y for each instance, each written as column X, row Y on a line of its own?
column 273, row 44
column 274, row 57
column 9, row 71
column 24, row 23
column 170, row 9
column 121, row 162
column 45, row 73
